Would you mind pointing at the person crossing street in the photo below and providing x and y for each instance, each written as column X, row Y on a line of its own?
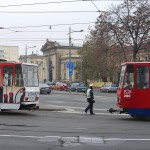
column 90, row 99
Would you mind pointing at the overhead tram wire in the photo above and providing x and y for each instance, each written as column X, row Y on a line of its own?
column 53, row 3
column 69, row 24
column 36, row 39
column 48, row 12
column 48, row 31
column 95, row 6
column 7, row 33
column 40, row 3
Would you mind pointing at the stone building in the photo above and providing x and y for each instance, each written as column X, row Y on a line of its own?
column 9, row 53
column 55, row 59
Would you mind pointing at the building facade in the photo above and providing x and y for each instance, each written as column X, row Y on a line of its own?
column 9, row 53
column 55, row 59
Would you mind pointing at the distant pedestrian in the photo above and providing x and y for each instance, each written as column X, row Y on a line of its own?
column 90, row 99
column 44, row 80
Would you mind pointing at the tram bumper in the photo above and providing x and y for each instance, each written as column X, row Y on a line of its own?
column 29, row 102
column 29, row 106
column 120, row 111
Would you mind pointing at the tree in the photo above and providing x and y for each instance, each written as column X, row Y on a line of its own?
column 130, row 24
column 122, row 29
column 88, row 62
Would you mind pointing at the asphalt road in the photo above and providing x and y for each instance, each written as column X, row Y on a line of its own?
column 72, row 129
column 77, row 101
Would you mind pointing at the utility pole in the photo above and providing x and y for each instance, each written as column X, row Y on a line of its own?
column 70, row 79
column 26, row 55
column 71, row 64
column 81, row 74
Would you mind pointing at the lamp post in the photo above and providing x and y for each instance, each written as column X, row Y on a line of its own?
column 26, row 51
column 71, row 31
column 81, row 74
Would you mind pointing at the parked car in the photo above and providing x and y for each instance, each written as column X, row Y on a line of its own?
column 44, row 89
column 50, row 83
column 81, row 88
column 73, row 86
column 60, row 86
column 78, row 87
column 63, row 87
column 109, row 88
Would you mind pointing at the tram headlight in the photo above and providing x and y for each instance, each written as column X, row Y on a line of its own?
column 26, row 98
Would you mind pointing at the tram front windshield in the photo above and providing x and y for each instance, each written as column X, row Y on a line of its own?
column 26, row 75
column 127, row 75
column 30, row 75
column 122, row 76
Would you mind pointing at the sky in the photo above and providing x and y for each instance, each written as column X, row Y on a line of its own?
column 30, row 22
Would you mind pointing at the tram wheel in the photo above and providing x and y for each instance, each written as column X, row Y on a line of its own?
column 3, row 110
column 133, row 116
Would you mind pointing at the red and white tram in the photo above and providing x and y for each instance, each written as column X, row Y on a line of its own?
column 19, row 86
column 133, row 94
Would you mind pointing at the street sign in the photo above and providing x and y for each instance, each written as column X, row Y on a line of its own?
column 70, row 72
column 70, row 65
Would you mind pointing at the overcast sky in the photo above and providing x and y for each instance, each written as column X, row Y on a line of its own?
column 30, row 24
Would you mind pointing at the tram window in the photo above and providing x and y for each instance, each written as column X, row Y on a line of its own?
column 18, row 76
column 129, row 77
column 121, row 76
column 142, row 77
column 30, row 74
column 8, row 75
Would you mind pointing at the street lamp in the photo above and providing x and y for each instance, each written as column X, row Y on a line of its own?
column 71, row 31
column 26, row 51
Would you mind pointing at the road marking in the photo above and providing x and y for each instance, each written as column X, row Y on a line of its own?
column 106, row 114
column 81, row 138
column 103, row 96
column 120, row 139
column 81, row 109
column 68, row 107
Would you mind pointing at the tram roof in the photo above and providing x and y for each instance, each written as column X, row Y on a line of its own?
column 13, row 62
column 134, row 63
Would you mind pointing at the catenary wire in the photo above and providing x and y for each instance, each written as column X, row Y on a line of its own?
column 54, row 25
column 53, row 3
column 49, row 11
column 36, row 39
column 95, row 6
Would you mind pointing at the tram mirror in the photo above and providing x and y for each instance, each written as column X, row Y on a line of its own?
column 6, row 79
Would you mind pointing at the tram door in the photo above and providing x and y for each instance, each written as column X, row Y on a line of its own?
column 129, row 86
column 8, row 84
column 1, row 86
column 143, row 86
